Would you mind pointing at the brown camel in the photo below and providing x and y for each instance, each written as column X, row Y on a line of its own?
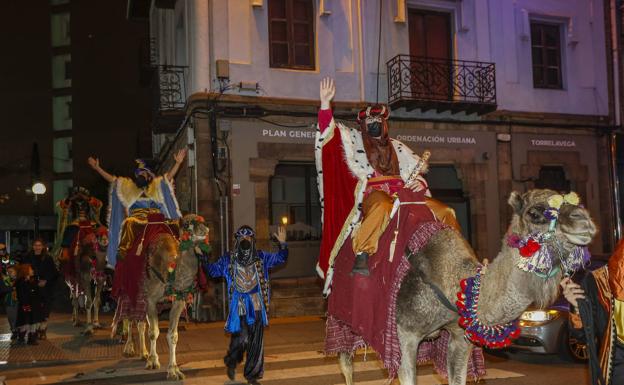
column 171, row 276
column 506, row 290
column 90, row 265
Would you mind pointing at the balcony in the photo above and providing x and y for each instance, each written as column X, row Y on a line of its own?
column 169, row 98
column 441, row 85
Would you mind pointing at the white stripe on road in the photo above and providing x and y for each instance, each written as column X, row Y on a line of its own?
column 433, row 379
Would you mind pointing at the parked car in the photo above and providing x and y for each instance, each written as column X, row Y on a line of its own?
column 545, row 331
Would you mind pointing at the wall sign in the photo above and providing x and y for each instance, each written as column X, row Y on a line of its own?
column 552, row 143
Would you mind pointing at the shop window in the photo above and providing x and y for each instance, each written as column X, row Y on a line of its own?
column 546, row 55
column 291, row 34
column 446, row 187
column 294, row 199
column 554, row 178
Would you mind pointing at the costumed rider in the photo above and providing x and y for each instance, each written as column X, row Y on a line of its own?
column 78, row 220
column 367, row 164
column 139, row 210
column 246, row 271
column 597, row 318
column 5, row 259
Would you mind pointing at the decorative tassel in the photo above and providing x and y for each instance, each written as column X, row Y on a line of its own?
column 393, row 245
column 139, row 249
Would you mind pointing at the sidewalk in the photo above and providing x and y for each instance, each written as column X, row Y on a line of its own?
column 66, row 344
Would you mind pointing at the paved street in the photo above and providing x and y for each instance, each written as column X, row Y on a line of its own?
column 293, row 356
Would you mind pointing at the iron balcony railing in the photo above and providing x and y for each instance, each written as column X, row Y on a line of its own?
column 169, row 92
column 423, row 82
column 171, row 87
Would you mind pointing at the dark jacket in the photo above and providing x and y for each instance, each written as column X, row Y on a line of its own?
column 594, row 326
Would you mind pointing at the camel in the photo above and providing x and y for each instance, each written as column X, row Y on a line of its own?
column 506, row 290
column 90, row 266
column 171, row 276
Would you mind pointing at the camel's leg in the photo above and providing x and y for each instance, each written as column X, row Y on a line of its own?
column 88, row 305
column 173, row 371
column 142, row 349
column 129, row 347
column 152, row 319
column 409, row 351
column 75, row 306
column 457, row 358
column 96, row 305
column 346, row 366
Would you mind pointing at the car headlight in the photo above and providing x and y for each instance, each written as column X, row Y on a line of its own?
column 539, row 315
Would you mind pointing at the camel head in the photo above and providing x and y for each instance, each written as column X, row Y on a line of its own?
column 193, row 228
column 550, row 230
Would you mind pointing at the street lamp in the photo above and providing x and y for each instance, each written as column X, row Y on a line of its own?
column 38, row 188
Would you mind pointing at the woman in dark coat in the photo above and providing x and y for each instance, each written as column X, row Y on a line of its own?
column 45, row 273
column 30, row 312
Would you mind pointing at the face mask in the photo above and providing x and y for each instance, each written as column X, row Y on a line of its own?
column 245, row 244
column 141, row 181
column 374, row 129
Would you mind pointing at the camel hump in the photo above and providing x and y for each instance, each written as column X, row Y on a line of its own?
column 446, row 253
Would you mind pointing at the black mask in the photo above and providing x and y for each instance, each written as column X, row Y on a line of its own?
column 141, row 181
column 245, row 244
column 374, row 129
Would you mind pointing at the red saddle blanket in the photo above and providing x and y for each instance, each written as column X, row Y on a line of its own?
column 362, row 310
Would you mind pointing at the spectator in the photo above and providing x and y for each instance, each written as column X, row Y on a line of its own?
column 8, row 295
column 30, row 312
column 45, row 273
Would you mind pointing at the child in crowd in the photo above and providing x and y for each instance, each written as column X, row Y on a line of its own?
column 8, row 296
column 30, row 312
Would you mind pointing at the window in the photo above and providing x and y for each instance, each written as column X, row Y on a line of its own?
column 546, row 55
column 61, row 113
column 68, row 70
column 62, row 154
column 446, row 187
column 294, row 196
column 60, row 26
column 554, row 178
column 61, row 70
column 291, row 34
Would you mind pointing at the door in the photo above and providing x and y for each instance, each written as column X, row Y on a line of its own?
column 430, row 48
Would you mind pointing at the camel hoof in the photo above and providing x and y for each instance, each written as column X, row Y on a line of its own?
column 175, row 374
column 152, row 363
column 88, row 331
column 97, row 325
column 145, row 356
column 128, row 351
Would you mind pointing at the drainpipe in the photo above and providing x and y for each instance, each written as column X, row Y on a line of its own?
column 615, row 54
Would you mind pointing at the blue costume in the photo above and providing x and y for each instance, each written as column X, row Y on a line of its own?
column 246, row 272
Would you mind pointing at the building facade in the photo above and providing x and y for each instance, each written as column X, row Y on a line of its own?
column 507, row 95
column 75, row 85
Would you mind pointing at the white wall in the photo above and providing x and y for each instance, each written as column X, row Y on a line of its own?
column 483, row 30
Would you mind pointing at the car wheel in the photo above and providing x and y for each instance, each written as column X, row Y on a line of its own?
column 570, row 349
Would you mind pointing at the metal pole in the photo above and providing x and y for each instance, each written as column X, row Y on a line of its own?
column 36, row 216
column 617, row 231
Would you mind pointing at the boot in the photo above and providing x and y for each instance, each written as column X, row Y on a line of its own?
column 32, row 338
column 14, row 335
column 231, row 373
column 21, row 337
column 360, row 266
column 253, row 382
column 43, row 334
